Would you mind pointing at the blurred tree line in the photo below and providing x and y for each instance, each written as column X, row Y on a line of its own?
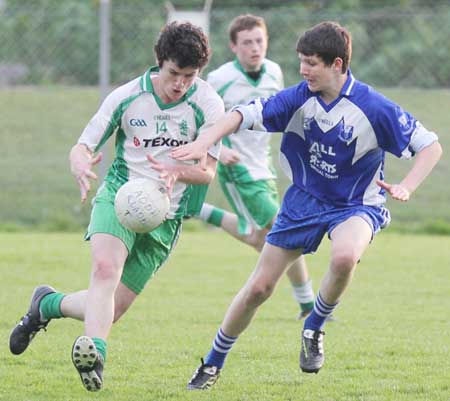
column 396, row 43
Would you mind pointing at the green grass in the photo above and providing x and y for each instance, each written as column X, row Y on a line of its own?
column 42, row 123
column 389, row 344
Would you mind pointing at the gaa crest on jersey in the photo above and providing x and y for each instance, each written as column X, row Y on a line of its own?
column 138, row 122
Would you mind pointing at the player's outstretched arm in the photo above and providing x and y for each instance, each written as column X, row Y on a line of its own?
column 198, row 149
column 81, row 162
column 426, row 159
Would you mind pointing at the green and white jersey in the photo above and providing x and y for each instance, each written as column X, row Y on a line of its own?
column 143, row 125
column 235, row 87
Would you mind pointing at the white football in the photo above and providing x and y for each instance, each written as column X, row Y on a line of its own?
column 142, row 205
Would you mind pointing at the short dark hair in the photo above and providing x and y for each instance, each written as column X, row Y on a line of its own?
column 245, row 22
column 183, row 43
column 327, row 40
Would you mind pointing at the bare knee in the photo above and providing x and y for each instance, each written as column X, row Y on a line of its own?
column 105, row 270
column 257, row 293
column 343, row 262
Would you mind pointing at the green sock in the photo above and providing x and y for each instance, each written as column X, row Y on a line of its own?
column 307, row 306
column 100, row 344
column 216, row 216
column 50, row 306
column 211, row 214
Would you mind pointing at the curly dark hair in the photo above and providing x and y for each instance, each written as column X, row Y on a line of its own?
column 183, row 43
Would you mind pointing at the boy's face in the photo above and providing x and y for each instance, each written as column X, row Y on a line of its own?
column 173, row 82
column 318, row 76
column 250, row 48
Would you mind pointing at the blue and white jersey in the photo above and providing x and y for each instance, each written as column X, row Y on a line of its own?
column 336, row 151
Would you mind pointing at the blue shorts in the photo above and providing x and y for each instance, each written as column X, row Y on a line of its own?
column 303, row 220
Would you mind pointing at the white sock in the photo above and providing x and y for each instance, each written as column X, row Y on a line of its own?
column 206, row 211
column 304, row 293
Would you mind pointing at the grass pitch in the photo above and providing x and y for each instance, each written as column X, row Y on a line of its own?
column 389, row 344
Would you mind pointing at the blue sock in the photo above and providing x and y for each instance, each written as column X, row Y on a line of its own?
column 317, row 317
column 221, row 346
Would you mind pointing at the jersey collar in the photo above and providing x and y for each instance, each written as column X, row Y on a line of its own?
column 253, row 82
column 147, row 86
column 347, row 90
column 349, row 86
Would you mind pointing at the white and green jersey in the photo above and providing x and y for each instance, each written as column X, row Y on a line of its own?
column 143, row 125
column 235, row 87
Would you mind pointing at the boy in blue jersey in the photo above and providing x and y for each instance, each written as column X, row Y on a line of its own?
column 336, row 132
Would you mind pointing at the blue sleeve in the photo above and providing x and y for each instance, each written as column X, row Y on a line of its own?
column 393, row 126
column 278, row 110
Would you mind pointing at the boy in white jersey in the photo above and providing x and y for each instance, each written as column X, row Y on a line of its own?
column 167, row 106
column 336, row 132
column 245, row 171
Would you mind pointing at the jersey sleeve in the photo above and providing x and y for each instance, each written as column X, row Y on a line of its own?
column 399, row 133
column 214, row 80
column 280, row 77
column 213, row 111
column 107, row 119
column 269, row 114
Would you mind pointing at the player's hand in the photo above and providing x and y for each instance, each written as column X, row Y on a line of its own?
column 397, row 191
column 81, row 163
column 168, row 172
column 229, row 156
column 197, row 150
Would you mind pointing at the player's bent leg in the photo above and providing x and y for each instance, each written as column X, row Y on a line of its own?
column 123, row 299
column 108, row 257
column 88, row 362
column 74, row 305
column 109, row 254
column 302, row 289
column 30, row 323
column 349, row 240
column 256, row 239
column 272, row 263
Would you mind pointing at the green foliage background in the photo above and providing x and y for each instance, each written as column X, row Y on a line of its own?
column 396, row 43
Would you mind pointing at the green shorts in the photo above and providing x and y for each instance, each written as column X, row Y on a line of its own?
column 196, row 199
column 255, row 203
column 146, row 252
